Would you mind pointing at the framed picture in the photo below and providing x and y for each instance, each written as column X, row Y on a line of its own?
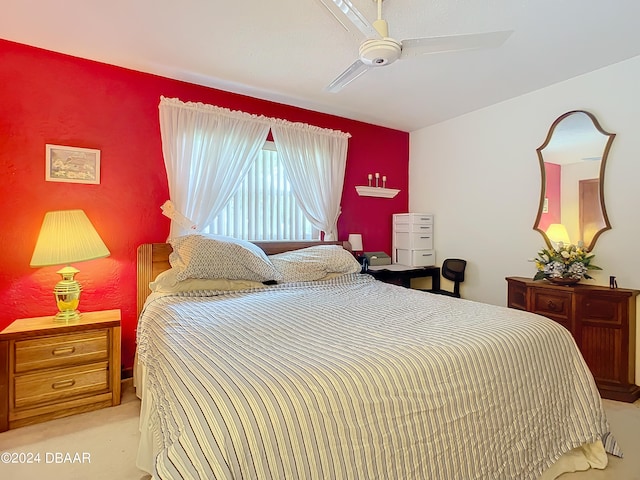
column 72, row 164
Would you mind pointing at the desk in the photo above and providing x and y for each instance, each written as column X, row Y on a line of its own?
column 398, row 275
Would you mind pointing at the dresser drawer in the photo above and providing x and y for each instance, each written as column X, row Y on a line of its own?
column 408, row 240
column 38, row 388
column 601, row 309
column 61, row 350
column 517, row 296
column 552, row 304
column 414, row 227
column 416, row 258
column 404, row 218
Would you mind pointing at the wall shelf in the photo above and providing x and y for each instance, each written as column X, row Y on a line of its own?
column 364, row 191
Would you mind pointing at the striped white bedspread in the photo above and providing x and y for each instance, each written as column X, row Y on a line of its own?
column 356, row 379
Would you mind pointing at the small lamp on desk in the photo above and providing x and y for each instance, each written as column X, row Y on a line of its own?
column 67, row 236
column 355, row 239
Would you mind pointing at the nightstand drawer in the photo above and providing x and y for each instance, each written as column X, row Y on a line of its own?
column 61, row 350
column 37, row 388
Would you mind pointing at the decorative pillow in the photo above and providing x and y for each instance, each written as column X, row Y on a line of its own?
column 216, row 256
column 166, row 282
column 314, row 263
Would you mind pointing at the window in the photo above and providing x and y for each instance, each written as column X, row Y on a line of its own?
column 264, row 207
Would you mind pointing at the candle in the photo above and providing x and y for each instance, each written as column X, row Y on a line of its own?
column 377, row 178
column 370, row 177
column 384, row 181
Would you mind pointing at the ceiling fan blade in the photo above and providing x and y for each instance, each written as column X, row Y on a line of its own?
column 350, row 18
column 356, row 69
column 452, row 43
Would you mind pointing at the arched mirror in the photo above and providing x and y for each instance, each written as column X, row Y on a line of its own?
column 572, row 162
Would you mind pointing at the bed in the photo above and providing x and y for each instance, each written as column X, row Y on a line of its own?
column 346, row 377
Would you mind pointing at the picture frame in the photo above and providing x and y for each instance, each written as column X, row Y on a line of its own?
column 72, row 164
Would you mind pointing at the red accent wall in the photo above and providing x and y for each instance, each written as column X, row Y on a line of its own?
column 47, row 97
column 553, row 174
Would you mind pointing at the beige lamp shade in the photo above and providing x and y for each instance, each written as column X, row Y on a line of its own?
column 67, row 236
column 556, row 232
column 355, row 239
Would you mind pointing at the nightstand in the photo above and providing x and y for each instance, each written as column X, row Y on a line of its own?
column 402, row 274
column 50, row 370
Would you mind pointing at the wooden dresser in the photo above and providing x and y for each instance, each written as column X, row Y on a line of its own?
column 50, row 370
column 602, row 321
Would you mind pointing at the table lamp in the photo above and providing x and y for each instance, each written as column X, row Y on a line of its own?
column 355, row 239
column 67, row 236
column 556, row 232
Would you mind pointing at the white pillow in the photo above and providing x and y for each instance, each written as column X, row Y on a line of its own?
column 216, row 256
column 166, row 282
column 314, row 263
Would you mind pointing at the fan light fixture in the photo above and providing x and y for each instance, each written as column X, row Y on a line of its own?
column 377, row 53
column 378, row 49
column 67, row 236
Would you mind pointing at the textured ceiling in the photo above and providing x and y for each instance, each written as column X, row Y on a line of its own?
column 289, row 50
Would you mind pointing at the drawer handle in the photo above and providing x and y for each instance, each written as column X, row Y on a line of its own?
column 424, row 228
column 63, row 351
column 427, row 254
column 552, row 306
column 63, row 384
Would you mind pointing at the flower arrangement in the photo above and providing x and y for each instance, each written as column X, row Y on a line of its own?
column 569, row 262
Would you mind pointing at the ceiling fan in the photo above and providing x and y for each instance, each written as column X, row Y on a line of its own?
column 379, row 49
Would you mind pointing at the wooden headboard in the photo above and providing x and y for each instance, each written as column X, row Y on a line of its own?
column 153, row 259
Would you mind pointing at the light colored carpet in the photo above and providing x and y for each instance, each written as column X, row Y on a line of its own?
column 109, row 436
column 108, row 439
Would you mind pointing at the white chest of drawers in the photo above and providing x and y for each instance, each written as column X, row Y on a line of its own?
column 412, row 242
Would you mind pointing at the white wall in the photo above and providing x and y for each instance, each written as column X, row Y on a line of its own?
column 479, row 175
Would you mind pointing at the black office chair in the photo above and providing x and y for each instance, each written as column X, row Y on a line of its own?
column 452, row 269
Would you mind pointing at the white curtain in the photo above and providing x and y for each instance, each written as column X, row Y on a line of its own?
column 315, row 160
column 207, row 152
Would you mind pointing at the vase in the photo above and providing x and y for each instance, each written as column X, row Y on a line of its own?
column 563, row 280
